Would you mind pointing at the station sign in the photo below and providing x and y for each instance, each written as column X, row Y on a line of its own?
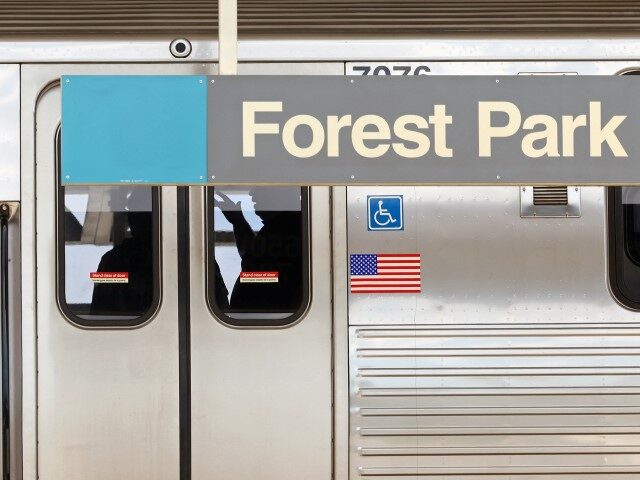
column 334, row 130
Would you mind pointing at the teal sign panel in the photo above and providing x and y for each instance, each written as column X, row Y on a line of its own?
column 134, row 129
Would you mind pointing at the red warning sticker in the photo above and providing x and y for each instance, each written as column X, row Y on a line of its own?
column 258, row 277
column 109, row 277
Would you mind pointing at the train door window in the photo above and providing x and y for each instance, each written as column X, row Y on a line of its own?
column 624, row 245
column 258, row 255
column 108, row 254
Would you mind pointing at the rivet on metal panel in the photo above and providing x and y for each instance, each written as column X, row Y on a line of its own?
column 213, row 81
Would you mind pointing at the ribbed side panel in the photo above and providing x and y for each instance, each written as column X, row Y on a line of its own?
column 282, row 17
column 493, row 403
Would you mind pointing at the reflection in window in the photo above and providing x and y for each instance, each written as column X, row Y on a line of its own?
column 259, row 262
column 624, row 242
column 631, row 213
column 109, row 258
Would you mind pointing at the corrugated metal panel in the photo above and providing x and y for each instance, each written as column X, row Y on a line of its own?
column 491, row 402
column 285, row 17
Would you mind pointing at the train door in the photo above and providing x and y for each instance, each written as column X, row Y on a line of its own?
column 261, row 325
column 101, row 353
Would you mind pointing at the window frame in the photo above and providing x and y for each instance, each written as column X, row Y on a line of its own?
column 210, row 273
column 112, row 323
column 617, row 249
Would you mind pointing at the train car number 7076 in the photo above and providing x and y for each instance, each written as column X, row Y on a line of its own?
column 390, row 68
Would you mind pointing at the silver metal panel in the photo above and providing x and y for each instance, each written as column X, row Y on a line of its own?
column 486, row 401
column 385, row 308
column 340, row 335
column 96, row 51
column 507, row 364
column 459, row 227
column 574, row 52
column 482, row 263
column 501, row 66
column 443, row 48
column 28, row 291
column 514, row 360
column 261, row 399
column 9, row 133
column 99, row 404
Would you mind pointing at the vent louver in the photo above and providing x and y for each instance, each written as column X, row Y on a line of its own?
column 550, row 196
column 553, row 201
column 287, row 17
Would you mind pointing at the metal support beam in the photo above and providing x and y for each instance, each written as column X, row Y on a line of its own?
column 228, row 37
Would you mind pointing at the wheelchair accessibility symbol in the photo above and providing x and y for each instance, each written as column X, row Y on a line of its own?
column 385, row 212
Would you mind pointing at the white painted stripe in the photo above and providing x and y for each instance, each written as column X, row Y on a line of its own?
column 403, row 265
column 386, row 290
column 399, row 258
column 398, row 270
column 404, row 271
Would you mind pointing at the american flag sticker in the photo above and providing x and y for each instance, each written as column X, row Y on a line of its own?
column 385, row 273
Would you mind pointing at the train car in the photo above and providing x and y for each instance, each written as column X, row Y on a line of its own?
column 164, row 333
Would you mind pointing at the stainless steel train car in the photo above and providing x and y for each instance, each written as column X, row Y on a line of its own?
column 134, row 347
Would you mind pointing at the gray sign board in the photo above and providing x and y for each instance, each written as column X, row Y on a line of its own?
column 424, row 130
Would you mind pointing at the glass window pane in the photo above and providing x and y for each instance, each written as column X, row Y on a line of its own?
column 624, row 245
column 258, row 254
column 109, row 258
column 631, row 213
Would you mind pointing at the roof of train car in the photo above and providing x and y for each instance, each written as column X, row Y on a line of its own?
column 281, row 18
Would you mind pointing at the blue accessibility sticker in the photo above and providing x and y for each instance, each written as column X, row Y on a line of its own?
column 385, row 212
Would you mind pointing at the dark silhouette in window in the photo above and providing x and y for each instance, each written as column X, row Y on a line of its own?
column 222, row 294
column 134, row 255
column 275, row 248
column 72, row 227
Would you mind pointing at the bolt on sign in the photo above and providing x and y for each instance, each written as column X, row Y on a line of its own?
column 331, row 130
